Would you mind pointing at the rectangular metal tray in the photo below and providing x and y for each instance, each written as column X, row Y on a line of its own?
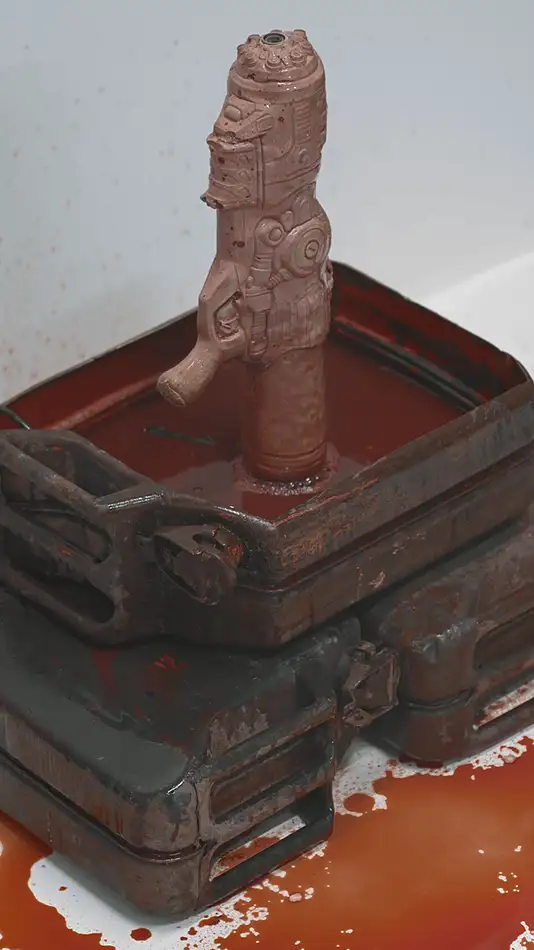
column 106, row 549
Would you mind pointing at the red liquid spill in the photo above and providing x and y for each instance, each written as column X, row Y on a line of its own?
column 358, row 803
column 25, row 923
column 372, row 410
column 141, row 934
column 412, row 876
column 423, row 873
column 215, row 919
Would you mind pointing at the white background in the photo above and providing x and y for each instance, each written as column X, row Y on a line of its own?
column 104, row 110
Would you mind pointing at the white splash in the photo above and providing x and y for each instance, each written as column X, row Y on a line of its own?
column 89, row 908
column 362, row 767
column 524, row 939
column 504, row 754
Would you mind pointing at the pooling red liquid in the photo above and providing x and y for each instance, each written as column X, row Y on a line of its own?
column 448, row 865
column 372, row 410
column 25, row 923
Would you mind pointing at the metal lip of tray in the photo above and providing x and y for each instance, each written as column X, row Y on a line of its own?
column 149, row 766
column 241, row 580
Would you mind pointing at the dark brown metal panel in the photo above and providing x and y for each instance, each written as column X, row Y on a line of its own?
column 118, row 557
column 464, row 634
column 149, row 765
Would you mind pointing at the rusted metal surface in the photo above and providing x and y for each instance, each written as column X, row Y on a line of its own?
column 429, row 546
column 175, row 755
column 463, row 632
column 117, row 557
column 98, row 544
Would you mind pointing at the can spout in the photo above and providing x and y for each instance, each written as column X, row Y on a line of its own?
column 186, row 381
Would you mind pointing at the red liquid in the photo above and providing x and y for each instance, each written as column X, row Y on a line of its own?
column 372, row 410
column 141, row 933
column 412, row 877
column 25, row 923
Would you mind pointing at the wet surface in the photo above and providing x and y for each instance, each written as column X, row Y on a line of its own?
column 372, row 410
column 25, row 923
column 417, row 860
column 449, row 863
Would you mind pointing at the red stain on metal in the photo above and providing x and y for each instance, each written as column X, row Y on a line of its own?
column 102, row 815
column 111, row 819
column 141, row 934
column 25, row 923
column 168, row 662
column 104, row 660
column 448, row 863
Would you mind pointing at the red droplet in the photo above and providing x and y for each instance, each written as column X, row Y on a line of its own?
column 141, row 934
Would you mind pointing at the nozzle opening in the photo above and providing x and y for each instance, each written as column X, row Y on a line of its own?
column 273, row 38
